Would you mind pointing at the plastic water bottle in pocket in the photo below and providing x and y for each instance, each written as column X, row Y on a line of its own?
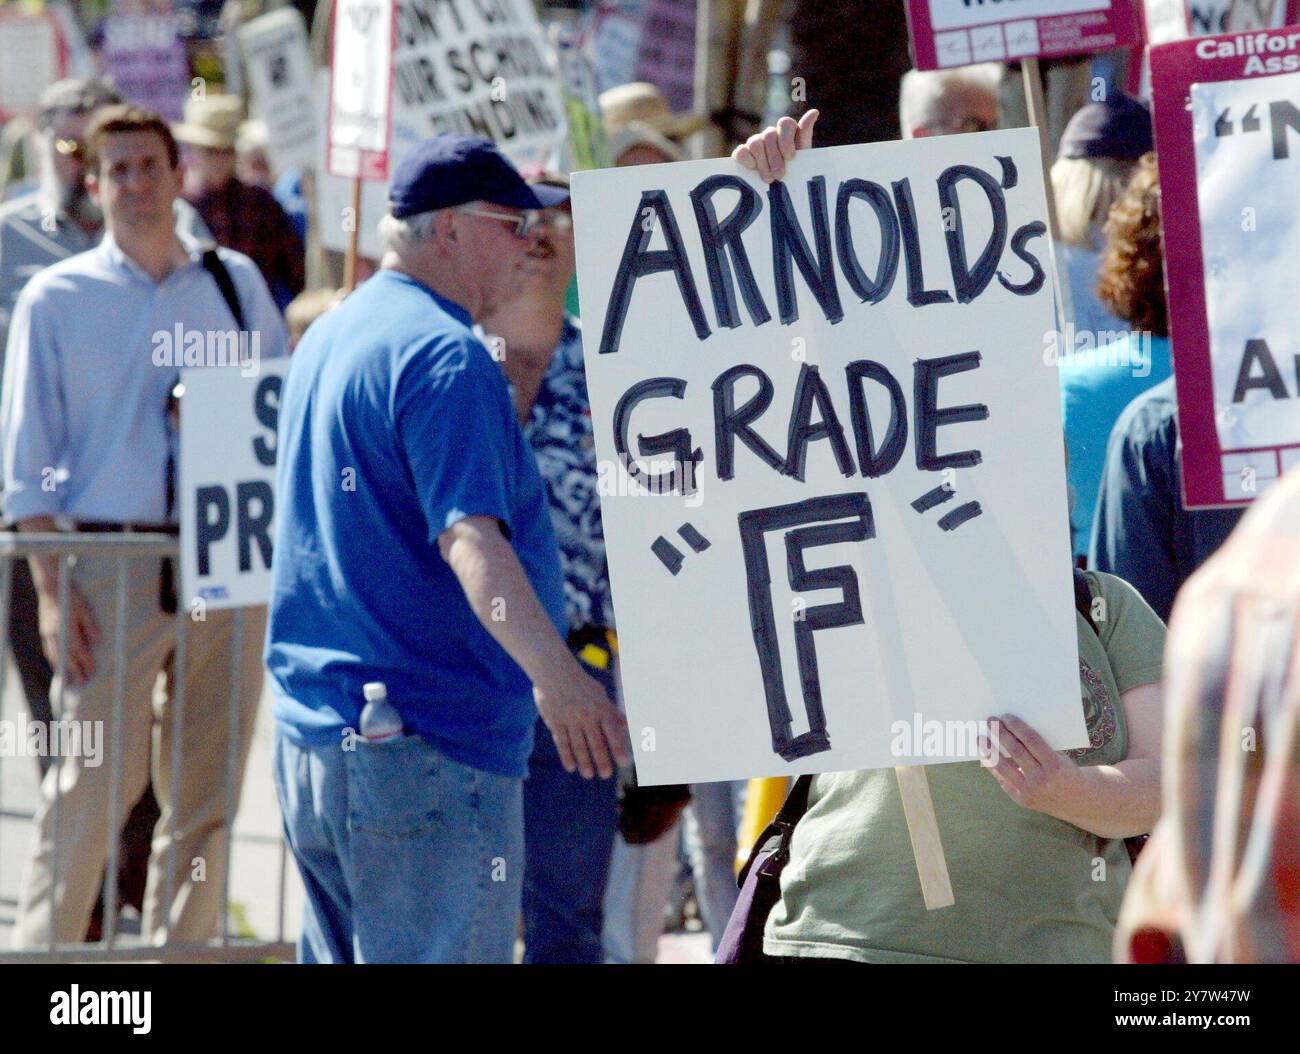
column 379, row 718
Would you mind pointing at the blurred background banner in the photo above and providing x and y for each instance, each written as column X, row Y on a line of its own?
column 476, row 69
column 1226, row 126
column 144, row 56
column 277, row 61
column 956, row 33
column 587, row 145
column 33, row 55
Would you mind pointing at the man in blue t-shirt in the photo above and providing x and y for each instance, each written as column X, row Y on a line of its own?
column 414, row 547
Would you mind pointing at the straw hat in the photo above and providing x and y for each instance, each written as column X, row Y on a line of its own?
column 645, row 104
column 638, row 134
column 212, row 121
column 252, row 135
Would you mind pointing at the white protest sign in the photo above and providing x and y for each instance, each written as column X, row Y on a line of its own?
column 1247, row 135
column 480, row 68
column 31, row 58
column 227, row 481
column 831, row 459
column 277, row 61
column 1171, row 20
column 360, row 89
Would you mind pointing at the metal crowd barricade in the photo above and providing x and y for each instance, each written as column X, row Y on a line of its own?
column 114, row 946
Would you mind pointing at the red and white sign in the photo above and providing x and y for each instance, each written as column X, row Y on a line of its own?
column 962, row 32
column 1169, row 20
column 1227, row 124
column 361, row 89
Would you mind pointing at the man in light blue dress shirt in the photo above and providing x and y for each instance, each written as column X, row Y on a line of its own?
column 56, row 220
column 87, row 445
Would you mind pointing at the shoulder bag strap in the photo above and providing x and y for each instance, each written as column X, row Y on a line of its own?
column 213, row 264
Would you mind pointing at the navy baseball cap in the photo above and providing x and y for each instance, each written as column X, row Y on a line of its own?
column 1120, row 128
column 450, row 170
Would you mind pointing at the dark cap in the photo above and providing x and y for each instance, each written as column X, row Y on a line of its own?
column 1120, row 128
column 450, row 170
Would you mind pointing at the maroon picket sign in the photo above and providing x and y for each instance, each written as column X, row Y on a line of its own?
column 961, row 32
column 1175, row 68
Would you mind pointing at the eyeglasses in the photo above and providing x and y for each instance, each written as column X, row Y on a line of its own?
column 73, row 148
column 521, row 224
column 557, row 220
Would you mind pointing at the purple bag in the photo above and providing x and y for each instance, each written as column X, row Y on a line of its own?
column 760, row 882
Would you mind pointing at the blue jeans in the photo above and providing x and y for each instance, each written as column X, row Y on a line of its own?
column 569, row 829
column 406, row 855
column 712, row 820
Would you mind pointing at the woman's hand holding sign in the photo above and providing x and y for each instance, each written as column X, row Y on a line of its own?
column 1031, row 772
column 1110, row 801
column 767, row 152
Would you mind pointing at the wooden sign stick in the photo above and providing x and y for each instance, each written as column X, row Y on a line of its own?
column 923, row 829
column 354, row 240
column 1031, row 79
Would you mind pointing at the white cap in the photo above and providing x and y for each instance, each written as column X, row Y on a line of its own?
column 374, row 690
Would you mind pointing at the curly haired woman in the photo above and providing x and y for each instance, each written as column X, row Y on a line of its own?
column 1111, row 370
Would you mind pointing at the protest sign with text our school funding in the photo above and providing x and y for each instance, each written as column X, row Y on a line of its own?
column 479, row 68
column 830, row 454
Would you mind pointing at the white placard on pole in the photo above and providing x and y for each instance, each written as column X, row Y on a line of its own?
column 227, row 482
column 479, row 69
column 831, row 462
column 361, row 89
column 277, row 61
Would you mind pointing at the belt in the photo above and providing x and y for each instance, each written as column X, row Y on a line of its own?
column 101, row 527
column 167, row 572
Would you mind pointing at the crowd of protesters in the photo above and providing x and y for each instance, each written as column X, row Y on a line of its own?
column 463, row 567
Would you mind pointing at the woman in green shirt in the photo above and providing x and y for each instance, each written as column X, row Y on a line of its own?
column 1034, row 844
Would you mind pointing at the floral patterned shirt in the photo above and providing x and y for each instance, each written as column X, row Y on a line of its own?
column 560, row 432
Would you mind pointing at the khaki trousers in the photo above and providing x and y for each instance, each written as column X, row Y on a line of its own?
column 74, row 826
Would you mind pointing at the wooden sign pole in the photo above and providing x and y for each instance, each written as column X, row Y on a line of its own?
column 923, row 830
column 913, row 784
column 1032, row 82
column 354, row 240
column 316, row 274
